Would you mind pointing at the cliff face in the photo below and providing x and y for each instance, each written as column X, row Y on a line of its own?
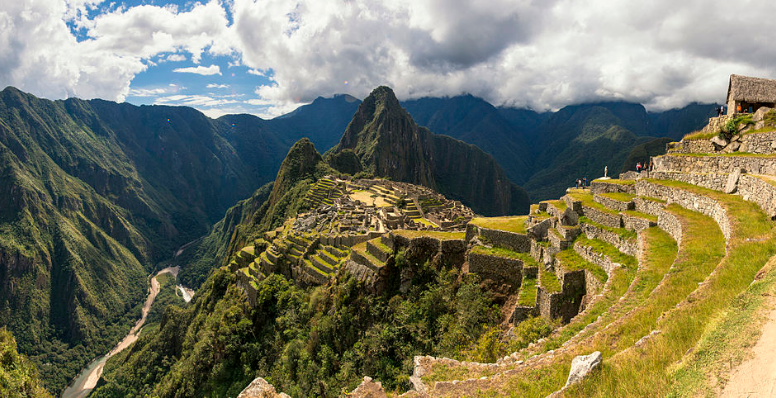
column 389, row 144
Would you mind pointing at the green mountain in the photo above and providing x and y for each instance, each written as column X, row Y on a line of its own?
column 388, row 143
column 100, row 192
column 579, row 142
column 18, row 377
column 542, row 152
column 473, row 120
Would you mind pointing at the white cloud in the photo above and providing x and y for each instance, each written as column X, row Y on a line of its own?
column 175, row 58
column 213, row 85
column 200, row 70
column 542, row 55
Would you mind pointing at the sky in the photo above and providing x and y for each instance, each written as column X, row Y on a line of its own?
column 267, row 57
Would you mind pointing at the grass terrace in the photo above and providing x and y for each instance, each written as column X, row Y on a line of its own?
column 506, row 253
column 618, row 196
column 431, row 234
column 634, row 213
column 558, row 204
column 624, row 233
column 617, row 181
column 509, row 224
column 549, row 281
column 572, row 261
column 527, row 295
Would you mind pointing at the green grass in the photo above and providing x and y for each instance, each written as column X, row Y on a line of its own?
column 587, row 200
column 638, row 214
column 506, row 253
column 527, row 295
column 753, row 243
column 617, row 181
column 699, row 135
column 703, row 248
column 431, row 234
column 571, row 261
column 509, row 224
column 629, row 287
column 624, row 233
column 618, row 196
column 549, row 281
column 558, row 204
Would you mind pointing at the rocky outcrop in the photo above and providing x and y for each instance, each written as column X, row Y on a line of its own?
column 582, row 366
column 388, row 143
column 259, row 388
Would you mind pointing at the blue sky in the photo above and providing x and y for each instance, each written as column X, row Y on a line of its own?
column 267, row 57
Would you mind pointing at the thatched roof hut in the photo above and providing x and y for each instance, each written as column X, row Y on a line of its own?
column 750, row 92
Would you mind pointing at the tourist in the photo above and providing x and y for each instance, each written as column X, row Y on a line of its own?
column 578, row 182
column 584, row 182
column 651, row 164
column 638, row 167
column 719, row 111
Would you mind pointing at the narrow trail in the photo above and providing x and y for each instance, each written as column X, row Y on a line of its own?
column 756, row 377
column 88, row 378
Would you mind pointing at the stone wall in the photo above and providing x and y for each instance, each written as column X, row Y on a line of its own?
column 632, row 223
column 688, row 200
column 648, row 206
column 502, row 268
column 691, row 146
column 613, row 204
column 601, row 186
column 603, row 218
column 671, row 225
column 715, row 164
column 707, row 180
column 599, row 259
column 508, row 240
column 627, row 246
column 548, row 304
column 758, row 191
column 764, row 143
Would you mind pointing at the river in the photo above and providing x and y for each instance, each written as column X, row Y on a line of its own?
column 88, row 378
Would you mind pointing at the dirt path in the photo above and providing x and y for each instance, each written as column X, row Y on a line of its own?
column 756, row 377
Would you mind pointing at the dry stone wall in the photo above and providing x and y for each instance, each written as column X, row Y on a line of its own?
column 613, row 204
column 508, row 240
column 503, row 269
column 715, row 164
column 688, row 200
column 625, row 245
column 602, row 217
column 758, row 191
column 762, row 143
column 707, row 180
column 691, row 146
column 601, row 186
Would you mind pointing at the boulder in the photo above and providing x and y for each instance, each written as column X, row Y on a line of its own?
column 759, row 115
column 732, row 182
column 582, row 365
column 368, row 389
column 734, row 146
column 719, row 142
column 259, row 388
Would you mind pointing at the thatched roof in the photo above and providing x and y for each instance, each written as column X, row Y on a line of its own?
column 751, row 89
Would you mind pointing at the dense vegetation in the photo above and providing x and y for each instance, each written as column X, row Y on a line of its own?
column 18, row 377
column 318, row 341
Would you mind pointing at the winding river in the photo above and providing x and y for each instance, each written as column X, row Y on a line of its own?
column 88, row 378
